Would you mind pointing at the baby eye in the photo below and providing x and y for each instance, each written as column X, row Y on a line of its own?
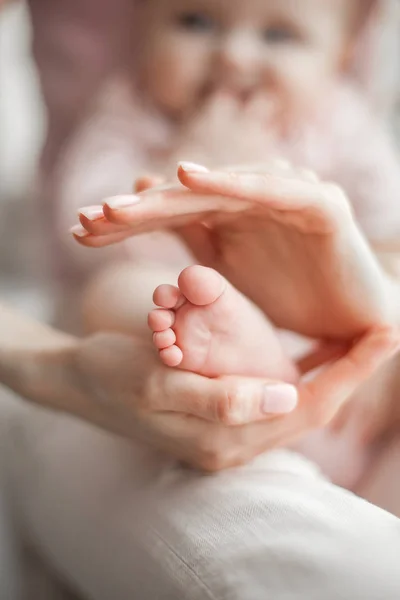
column 279, row 35
column 196, row 22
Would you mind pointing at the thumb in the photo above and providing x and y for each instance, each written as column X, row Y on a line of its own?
column 228, row 400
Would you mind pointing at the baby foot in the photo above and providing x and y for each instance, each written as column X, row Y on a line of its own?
column 204, row 325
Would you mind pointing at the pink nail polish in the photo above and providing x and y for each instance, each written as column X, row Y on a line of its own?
column 279, row 399
column 117, row 202
column 91, row 212
column 190, row 167
column 79, row 231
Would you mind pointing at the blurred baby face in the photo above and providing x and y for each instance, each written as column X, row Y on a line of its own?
column 289, row 48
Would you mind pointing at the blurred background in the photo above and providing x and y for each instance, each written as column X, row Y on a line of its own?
column 25, row 121
column 23, row 127
column 53, row 57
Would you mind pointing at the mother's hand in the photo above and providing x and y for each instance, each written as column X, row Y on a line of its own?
column 210, row 424
column 286, row 240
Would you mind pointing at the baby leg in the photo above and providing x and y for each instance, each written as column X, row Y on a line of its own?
column 119, row 297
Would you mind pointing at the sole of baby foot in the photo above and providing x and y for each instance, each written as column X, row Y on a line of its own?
column 206, row 326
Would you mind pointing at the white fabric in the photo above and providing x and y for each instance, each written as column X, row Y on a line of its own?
column 119, row 521
column 8, row 570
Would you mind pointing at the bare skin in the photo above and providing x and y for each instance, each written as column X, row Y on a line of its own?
column 207, row 327
column 255, row 220
column 373, row 296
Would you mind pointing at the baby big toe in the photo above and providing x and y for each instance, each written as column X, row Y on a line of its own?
column 201, row 285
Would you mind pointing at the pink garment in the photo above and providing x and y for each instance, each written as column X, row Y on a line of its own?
column 349, row 145
column 76, row 45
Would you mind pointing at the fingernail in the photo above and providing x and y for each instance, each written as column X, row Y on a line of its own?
column 79, row 231
column 190, row 167
column 279, row 399
column 117, row 202
column 91, row 212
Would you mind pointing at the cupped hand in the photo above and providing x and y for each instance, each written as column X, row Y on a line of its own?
column 211, row 424
column 286, row 240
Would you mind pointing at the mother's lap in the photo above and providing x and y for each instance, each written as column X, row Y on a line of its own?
column 115, row 518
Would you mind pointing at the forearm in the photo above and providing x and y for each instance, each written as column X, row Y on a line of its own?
column 35, row 361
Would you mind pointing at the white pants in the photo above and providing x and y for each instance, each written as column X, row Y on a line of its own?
column 9, row 587
column 119, row 521
column 9, row 575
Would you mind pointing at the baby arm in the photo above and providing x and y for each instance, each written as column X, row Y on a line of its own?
column 119, row 297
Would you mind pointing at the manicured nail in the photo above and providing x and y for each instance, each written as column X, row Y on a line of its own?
column 279, row 399
column 190, row 167
column 91, row 212
column 117, row 202
column 79, row 231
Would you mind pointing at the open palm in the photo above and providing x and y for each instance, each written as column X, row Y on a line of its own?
column 286, row 240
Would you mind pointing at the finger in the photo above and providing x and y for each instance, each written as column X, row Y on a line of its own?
column 265, row 188
column 98, row 226
column 84, row 238
column 243, row 442
column 170, row 202
column 277, row 192
column 308, row 175
column 199, row 444
column 329, row 391
column 96, row 236
column 321, row 399
column 230, row 400
column 212, row 447
column 147, row 182
column 278, row 166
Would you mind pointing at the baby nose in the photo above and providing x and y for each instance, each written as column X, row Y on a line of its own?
column 238, row 64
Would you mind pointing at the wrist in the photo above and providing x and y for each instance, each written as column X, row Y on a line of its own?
column 41, row 373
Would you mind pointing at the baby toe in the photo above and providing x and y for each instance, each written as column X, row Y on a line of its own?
column 201, row 285
column 164, row 339
column 160, row 319
column 168, row 296
column 172, row 356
